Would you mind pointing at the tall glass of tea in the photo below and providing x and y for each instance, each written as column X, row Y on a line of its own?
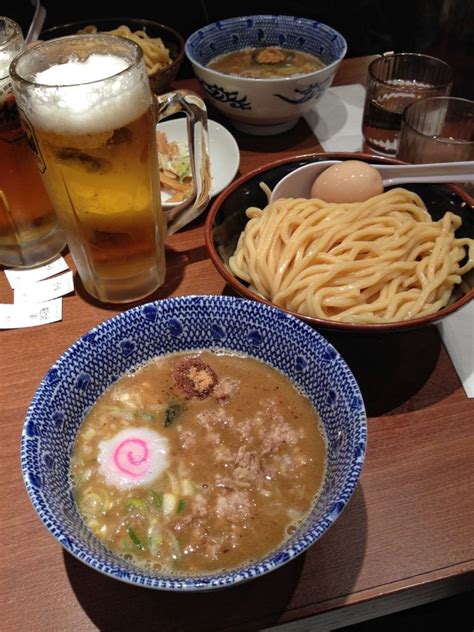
column 394, row 81
column 29, row 230
column 91, row 117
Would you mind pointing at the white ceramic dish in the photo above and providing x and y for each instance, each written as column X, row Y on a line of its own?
column 223, row 150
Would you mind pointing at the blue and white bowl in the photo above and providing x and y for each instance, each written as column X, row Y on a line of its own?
column 265, row 106
column 133, row 337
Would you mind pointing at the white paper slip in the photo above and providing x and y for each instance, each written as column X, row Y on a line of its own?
column 336, row 120
column 30, row 315
column 457, row 332
column 18, row 276
column 44, row 290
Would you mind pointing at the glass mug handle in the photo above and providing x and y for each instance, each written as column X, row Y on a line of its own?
column 198, row 139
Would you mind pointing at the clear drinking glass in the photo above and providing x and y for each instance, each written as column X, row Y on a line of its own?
column 91, row 118
column 29, row 230
column 440, row 129
column 394, row 81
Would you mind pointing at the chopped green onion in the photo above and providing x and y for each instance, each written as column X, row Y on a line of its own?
column 126, row 546
column 170, row 504
column 187, row 487
column 173, row 411
column 88, row 434
column 157, row 499
column 175, row 546
column 174, row 484
column 136, row 503
column 155, row 539
column 147, row 416
column 120, row 412
column 181, row 505
column 134, row 538
column 92, row 503
column 93, row 525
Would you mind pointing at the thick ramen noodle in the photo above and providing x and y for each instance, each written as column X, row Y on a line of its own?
column 198, row 463
column 155, row 53
column 383, row 260
column 266, row 63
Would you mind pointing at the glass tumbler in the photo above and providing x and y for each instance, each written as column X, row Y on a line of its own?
column 394, row 81
column 29, row 230
column 440, row 129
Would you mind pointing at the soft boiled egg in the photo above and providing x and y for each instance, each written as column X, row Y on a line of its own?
column 347, row 181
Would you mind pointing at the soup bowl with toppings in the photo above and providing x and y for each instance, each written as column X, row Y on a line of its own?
column 265, row 71
column 194, row 443
column 392, row 260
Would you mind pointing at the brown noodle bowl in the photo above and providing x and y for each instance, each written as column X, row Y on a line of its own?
column 155, row 53
column 383, row 260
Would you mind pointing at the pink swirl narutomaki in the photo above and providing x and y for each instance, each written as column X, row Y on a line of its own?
column 133, row 457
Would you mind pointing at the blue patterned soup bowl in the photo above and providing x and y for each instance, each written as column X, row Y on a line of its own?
column 265, row 106
column 127, row 341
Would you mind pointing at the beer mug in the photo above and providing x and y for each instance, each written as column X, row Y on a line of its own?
column 91, row 119
column 29, row 230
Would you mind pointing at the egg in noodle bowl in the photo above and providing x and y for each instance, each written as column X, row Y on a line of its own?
column 198, row 463
column 378, row 261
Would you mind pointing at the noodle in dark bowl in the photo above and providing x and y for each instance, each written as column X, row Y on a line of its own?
column 227, row 220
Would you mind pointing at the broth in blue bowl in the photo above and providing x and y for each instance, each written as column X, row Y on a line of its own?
column 194, row 330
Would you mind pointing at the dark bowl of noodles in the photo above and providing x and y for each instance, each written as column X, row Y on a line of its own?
column 265, row 71
column 194, row 443
column 428, row 290
column 162, row 46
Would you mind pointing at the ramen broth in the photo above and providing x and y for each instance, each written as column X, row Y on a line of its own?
column 198, row 463
column 266, row 63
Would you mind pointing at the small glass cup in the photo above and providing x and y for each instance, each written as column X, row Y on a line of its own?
column 394, row 81
column 29, row 230
column 440, row 129
column 91, row 118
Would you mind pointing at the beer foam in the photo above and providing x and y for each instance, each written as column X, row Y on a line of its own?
column 90, row 107
column 94, row 68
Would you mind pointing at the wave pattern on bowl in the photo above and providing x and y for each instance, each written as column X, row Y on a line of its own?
column 128, row 340
column 271, row 105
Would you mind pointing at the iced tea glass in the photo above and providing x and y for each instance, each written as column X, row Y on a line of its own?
column 29, row 230
column 87, row 103
column 394, row 81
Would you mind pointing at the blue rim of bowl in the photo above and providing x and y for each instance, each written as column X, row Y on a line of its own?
column 305, row 21
column 222, row 579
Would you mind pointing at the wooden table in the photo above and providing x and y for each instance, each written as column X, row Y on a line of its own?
column 407, row 536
